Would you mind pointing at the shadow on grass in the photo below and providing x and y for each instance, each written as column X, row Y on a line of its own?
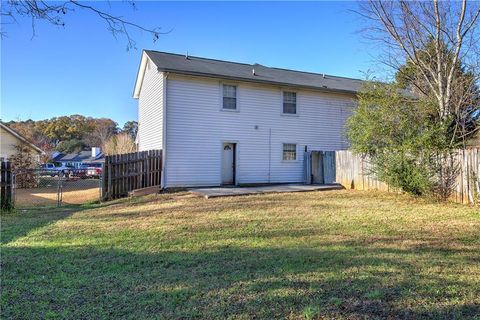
column 332, row 281
column 31, row 220
column 12, row 228
column 352, row 279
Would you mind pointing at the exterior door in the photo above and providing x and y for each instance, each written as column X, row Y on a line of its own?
column 329, row 170
column 317, row 167
column 228, row 163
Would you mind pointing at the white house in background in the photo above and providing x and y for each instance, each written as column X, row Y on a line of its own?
column 221, row 122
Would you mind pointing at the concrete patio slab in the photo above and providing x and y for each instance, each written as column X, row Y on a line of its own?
column 215, row 192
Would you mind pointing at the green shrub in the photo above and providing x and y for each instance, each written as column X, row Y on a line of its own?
column 404, row 141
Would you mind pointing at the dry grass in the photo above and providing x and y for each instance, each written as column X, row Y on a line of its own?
column 338, row 254
column 74, row 192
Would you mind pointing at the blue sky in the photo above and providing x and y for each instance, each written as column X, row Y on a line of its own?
column 83, row 69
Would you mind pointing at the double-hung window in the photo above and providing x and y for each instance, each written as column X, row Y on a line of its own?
column 289, row 151
column 229, row 97
column 289, row 102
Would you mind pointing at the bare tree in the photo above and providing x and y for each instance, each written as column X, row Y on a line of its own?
column 54, row 13
column 103, row 129
column 98, row 136
column 440, row 39
column 119, row 144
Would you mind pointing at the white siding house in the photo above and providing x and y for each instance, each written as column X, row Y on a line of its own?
column 217, row 128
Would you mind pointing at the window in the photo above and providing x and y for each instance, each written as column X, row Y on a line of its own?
column 229, row 97
column 289, row 102
column 289, row 151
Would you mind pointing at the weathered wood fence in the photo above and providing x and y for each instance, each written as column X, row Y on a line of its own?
column 123, row 173
column 353, row 172
column 7, row 187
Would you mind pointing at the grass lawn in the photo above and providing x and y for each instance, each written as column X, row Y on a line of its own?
column 334, row 255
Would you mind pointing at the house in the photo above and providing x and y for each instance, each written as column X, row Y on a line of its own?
column 93, row 157
column 221, row 123
column 10, row 139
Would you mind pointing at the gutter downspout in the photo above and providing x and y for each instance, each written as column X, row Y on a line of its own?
column 163, row 179
column 269, row 154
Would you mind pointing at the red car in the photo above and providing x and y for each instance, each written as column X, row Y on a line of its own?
column 94, row 171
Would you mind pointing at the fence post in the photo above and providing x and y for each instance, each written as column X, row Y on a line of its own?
column 6, row 181
column 101, row 182
column 59, row 188
column 148, row 169
column 109, row 176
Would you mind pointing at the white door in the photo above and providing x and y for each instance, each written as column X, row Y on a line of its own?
column 228, row 163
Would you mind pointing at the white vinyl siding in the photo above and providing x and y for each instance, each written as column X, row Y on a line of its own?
column 197, row 129
column 150, row 110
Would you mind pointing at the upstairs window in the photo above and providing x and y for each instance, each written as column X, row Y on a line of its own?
column 289, row 102
column 289, row 151
column 229, row 97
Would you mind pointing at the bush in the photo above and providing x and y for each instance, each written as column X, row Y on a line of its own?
column 23, row 163
column 402, row 171
column 405, row 142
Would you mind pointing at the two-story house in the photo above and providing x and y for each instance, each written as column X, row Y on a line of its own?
column 221, row 122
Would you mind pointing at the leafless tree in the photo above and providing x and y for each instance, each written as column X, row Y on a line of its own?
column 434, row 48
column 103, row 129
column 54, row 13
column 119, row 144
column 441, row 40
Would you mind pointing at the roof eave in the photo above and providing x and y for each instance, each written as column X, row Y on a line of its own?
column 277, row 83
column 20, row 137
column 140, row 75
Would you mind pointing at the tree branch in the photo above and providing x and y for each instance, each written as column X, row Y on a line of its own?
column 53, row 13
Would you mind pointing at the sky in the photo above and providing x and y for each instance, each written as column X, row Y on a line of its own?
column 83, row 69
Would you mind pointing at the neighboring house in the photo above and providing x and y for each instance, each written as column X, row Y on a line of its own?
column 10, row 139
column 221, row 123
column 77, row 159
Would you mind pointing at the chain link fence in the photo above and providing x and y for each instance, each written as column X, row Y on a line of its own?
column 36, row 188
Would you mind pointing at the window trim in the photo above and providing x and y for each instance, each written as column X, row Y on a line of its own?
column 236, row 85
column 296, row 152
column 282, row 98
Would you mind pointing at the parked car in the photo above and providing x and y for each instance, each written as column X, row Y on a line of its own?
column 94, row 170
column 48, row 166
column 48, row 169
column 80, row 172
column 52, row 169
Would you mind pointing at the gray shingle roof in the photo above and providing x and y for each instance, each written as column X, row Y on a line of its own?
column 177, row 63
column 82, row 156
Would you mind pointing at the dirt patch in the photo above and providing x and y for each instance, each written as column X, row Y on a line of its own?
column 74, row 192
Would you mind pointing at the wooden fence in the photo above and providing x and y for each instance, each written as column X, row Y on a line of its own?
column 353, row 172
column 7, row 188
column 123, row 173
